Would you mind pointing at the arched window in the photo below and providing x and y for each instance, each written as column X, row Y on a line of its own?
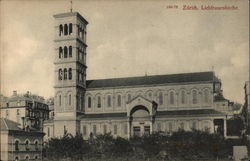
column 70, row 73
column 65, row 29
column 27, row 145
column 89, row 102
column 171, row 97
column 16, row 145
column 27, row 158
column 115, row 129
column 104, row 129
column 65, row 73
column 60, row 74
column 194, row 97
column 183, row 97
column 16, row 158
column 160, row 98
column 60, row 30
column 48, row 132
column 69, row 99
column 99, row 105
column 65, row 50
column 36, row 145
column 119, row 100
column 60, row 52
column 70, row 29
column 206, row 95
column 60, row 100
column 109, row 101
column 70, row 51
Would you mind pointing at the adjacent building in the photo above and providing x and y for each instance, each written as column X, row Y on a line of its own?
column 127, row 106
column 18, row 143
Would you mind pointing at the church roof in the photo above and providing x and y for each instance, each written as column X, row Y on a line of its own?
column 151, row 80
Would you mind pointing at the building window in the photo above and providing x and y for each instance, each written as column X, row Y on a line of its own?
column 194, row 97
column 159, row 127
column 119, row 100
column 70, row 51
column 109, row 101
column 65, row 73
column 48, row 132
column 60, row 30
column 60, row 100
column 182, row 126
column 60, row 74
column 99, row 102
column 125, row 129
column 171, row 97
column 129, row 97
column 69, row 99
column 36, row 157
column 84, row 130
column 36, row 145
column 89, row 102
column 94, row 129
column 16, row 145
column 170, row 127
column 27, row 145
column 150, row 95
column 104, row 129
column 206, row 93
column 160, row 98
column 183, row 97
column 194, row 126
column 60, row 52
column 70, row 28
column 70, row 73
column 65, row 29
column 115, row 129
column 65, row 51
column 27, row 158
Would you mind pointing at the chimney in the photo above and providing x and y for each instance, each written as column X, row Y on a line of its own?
column 14, row 93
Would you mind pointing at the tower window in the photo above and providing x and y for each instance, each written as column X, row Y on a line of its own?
column 65, row 29
column 70, row 73
column 119, row 100
column 60, row 100
column 60, row 30
column 27, row 145
column 65, row 52
column 89, row 102
column 70, row 28
column 70, row 51
column 36, row 145
column 60, row 74
column 69, row 99
column 60, row 52
column 65, row 73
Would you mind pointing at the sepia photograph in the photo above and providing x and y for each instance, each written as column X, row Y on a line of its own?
column 124, row 80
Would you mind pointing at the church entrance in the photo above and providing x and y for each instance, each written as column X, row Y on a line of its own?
column 141, row 123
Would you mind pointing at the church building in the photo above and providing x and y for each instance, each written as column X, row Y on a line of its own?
column 126, row 107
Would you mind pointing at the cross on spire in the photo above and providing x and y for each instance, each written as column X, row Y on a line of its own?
column 70, row 6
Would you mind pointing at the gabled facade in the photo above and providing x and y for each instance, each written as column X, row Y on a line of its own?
column 126, row 106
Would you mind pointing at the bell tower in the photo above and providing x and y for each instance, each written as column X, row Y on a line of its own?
column 70, row 71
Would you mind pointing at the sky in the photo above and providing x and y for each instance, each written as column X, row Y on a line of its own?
column 127, row 38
